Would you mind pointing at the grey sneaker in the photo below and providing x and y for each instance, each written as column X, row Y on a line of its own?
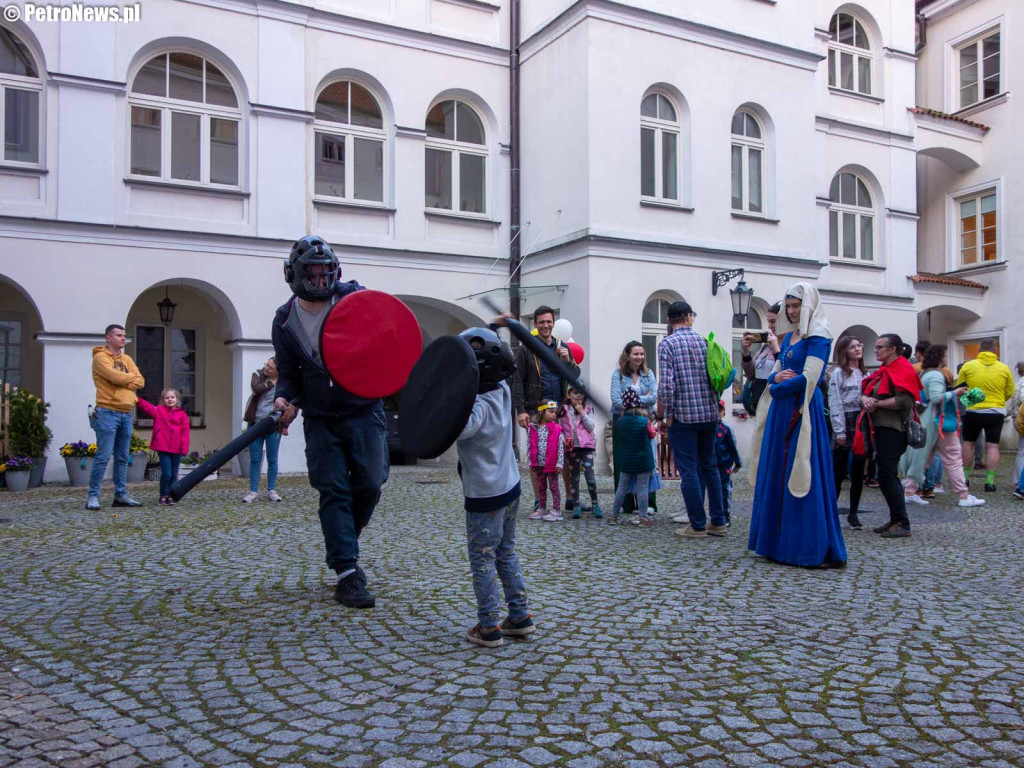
column 125, row 501
column 93, row 502
column 688, row 532
column 717, row 530
column 273, row 496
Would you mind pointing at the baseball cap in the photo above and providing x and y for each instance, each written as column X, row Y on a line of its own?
column 679, row 309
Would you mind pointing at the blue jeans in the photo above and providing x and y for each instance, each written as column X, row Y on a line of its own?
column 169, row 463
column 273, row 442
column 643, row 481
column 693, row 449
column 933, row 474
column 113, row 435
column 491, row 539
column 725, row 476
column 347, row 460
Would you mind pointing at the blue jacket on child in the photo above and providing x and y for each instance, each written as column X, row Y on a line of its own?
column 726, row 454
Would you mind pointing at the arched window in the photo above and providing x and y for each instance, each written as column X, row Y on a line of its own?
column 747, row 163
column 849, row 54
column 21, row 87
column 185, row 121
column 456, row 159
column 654, row 329
column 851, row 219
column 659, row 148
column 348, row 123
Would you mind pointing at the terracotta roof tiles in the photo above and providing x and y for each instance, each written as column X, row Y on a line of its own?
column 928, row 277
column 946, row 116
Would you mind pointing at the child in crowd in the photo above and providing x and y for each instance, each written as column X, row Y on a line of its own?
column 546, row 456
column 490, row 484
column 633, row 433
column 728, row 459
column 577, row 424
column 170, row 437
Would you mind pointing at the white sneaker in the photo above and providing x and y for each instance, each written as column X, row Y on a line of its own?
column 680, row 519
column 939, row 489
column 913, row 498
column 651, row 511
column 250, row 497
column 554, row 516
column 970, row 501
column 273, row 496
column 538, row 513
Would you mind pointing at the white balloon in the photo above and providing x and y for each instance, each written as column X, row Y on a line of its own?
column 571, row 340
column 562, row 329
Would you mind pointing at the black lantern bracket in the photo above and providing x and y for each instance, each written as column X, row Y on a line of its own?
column 166, row 307
column 718, row 279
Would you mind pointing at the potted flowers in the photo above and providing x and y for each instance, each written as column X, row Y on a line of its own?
column 29, row 435
column 78, row 459
column 16, row 471
column 138, row 455
column 192, row 460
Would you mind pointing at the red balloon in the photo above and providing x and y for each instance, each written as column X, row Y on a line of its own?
column 576, row 351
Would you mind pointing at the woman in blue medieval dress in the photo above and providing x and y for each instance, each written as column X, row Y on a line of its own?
column 795, row 519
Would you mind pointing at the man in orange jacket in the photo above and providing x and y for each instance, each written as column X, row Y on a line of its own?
column 116, row 378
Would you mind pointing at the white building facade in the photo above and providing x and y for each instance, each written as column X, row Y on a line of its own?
column 658, row 145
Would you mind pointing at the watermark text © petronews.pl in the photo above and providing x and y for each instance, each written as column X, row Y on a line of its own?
column 124, row 14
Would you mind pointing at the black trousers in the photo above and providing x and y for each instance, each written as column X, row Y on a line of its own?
column 890, row 445
column 841, row 458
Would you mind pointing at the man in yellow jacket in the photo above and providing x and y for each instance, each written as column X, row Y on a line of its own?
column 996, row 381
column 117, row 378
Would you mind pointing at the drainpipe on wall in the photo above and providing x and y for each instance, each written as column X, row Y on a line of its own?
column 922, row 32
column 514, row 228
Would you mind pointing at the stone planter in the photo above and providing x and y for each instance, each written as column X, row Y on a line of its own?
column 241, row 463
column 182, row 471
column 35, row 478
column 153, row 472
column 17, row 480
column 137, row 467
column 79, row 470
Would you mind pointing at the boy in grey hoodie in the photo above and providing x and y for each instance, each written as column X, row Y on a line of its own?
column 490, row 483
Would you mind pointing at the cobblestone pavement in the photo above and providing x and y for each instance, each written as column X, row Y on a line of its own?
column 206, row 634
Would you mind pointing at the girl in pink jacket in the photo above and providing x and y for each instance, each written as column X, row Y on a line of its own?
column 170, row 437
column 546, row 456
column 577, row 424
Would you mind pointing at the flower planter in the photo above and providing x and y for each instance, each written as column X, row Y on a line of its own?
column 182, row 471
column 17, row 479
column 79, row 470
column 137, row 467
column 35, row 478
column 241, row 463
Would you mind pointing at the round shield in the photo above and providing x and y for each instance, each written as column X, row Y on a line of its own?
column 369, row 343
column 438, row 397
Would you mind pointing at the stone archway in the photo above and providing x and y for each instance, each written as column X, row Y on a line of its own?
column 21, row 358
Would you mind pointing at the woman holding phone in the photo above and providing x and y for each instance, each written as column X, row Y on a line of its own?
column 757, row 367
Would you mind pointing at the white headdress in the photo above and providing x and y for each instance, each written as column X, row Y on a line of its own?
column 812, row 315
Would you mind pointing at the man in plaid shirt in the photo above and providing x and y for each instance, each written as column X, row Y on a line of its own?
column 690, row 409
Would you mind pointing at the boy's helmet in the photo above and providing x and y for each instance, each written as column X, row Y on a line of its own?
column 493, row 357
column 308, row 252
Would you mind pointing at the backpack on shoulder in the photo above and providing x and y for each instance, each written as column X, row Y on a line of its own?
column 720, row 371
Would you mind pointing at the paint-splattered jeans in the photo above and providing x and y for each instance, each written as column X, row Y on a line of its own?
column 491, row 537
column 582, row 458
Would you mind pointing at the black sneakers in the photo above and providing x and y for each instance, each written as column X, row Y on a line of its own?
column 854, row 521
column 898, row 531
column 487, row 638
column 884, row 527
column 524, row 626
column 125, row 501
column 351, row 591
column 990, row 487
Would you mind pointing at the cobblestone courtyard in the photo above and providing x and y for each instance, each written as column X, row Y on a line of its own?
column 206, row 634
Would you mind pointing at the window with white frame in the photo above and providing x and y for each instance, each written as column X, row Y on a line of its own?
column 978, row 241
column 349, row 130
column 978, row 69
column 659, row 148
column 654, row 329
column 20, row 93
column 10, row 353
column 851, row 219
column 169, row 357
column 456, row 159
column 747, row 163
column 185, row 122
column 849, row 54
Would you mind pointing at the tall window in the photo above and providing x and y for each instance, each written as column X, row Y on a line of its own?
column 456, row 159
column 185, row 121
column 10, row 353
column 747, row 163
column 849, row 54
column 978, row 228
column 659, row 148
column 851, row 219
column 20, row 92
column 654, row 329
column 979, row 69
column 168, row 357
column 349, row 124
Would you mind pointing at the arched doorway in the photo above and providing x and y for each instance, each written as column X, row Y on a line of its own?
column 654, row 324
column 189, row 354
column 21, row 358
column 865, row 336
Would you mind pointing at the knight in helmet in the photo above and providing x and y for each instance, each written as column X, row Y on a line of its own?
column 346, row 439
column 490, row 483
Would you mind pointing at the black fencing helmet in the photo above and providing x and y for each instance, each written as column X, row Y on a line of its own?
column 309, row 252
column 493, row 357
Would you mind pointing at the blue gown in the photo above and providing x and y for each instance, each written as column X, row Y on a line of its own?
column 798, row 531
